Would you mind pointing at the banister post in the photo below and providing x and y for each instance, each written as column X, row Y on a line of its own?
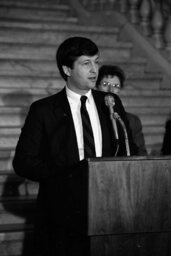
column 157, row 25
column 167, row 37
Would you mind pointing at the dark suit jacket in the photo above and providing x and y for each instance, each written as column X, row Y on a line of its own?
column 47, row 151
column 137, row 134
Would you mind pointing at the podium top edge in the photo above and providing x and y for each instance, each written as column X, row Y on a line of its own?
column 127, row 158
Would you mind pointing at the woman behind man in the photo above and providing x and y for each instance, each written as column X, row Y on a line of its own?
column 111, row 79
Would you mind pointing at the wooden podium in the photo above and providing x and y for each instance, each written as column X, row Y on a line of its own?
column 123, row 205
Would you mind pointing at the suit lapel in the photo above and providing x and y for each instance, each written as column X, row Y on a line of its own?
column 64, row 116
column 61, row 104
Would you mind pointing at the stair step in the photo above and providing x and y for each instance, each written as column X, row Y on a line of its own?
column 48, row 52
column 150, row 138
column 132, row 68
column 52, row 84
column 27, row 82
column 27, row 52
column 18, row 210
column 12, row 119
column 24, row 99
column 148, row 101
column 16, row 238
column 14, row 186
column 58, row 27
column 22, row 110
column 6, row 131
column 148, row 111
column 47, row 68
column 154, row 139
column 130, row 98
column 33, row 12
column 143, row 83
column 152, row 129
column 154, row 149
column 6, row 154
column 55, row 34
column 5, row 22
column 145, row 93
column 14, row 228
column 17, row 216
column 6, row 157
column 15, row 119
column 153, row 119
column 28, row 68
column 20, row 98
column 42, row 4
column 11, row 141
column 8, row 128
column 64, row 30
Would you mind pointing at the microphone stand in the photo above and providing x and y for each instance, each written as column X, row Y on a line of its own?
column 116, row 116
column 112, row 117
column 110, row 102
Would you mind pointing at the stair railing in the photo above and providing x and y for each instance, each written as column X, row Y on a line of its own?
column 152, row 17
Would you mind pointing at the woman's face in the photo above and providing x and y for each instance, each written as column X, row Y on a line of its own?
column 110, row 84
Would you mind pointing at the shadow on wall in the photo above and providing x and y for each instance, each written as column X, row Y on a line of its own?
column 20, row 209
column 21, row 100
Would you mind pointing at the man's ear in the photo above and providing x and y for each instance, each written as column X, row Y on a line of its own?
column 67, row 70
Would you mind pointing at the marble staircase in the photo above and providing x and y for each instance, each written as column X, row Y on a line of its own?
column 30, row 32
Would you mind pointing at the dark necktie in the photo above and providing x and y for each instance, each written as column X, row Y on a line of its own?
column 89, row 146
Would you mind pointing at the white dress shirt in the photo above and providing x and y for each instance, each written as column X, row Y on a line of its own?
column 75, row 104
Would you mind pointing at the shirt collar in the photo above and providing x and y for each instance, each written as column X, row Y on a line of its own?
column 75, row 97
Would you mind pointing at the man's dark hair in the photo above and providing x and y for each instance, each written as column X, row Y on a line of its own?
column 71, row 49
column 110, row 70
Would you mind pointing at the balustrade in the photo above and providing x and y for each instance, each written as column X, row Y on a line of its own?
column 145, row 14
column 153, row 17
column 123, row 6
column 157, row 25
column 133, row 11
column 167, row 37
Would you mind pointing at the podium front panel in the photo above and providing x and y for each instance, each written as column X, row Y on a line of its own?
column 128, row 195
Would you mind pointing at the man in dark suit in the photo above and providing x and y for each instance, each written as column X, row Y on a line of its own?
column 51, row 145
column 111, row 79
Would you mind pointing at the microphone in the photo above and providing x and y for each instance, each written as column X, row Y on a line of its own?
column 110, row 103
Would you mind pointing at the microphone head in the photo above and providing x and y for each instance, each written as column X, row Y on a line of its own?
column 109, row 100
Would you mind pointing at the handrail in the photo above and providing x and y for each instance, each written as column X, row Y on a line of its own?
column 147, row 23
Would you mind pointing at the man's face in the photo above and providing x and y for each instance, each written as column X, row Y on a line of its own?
column 82, row 77
column 110, row 84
